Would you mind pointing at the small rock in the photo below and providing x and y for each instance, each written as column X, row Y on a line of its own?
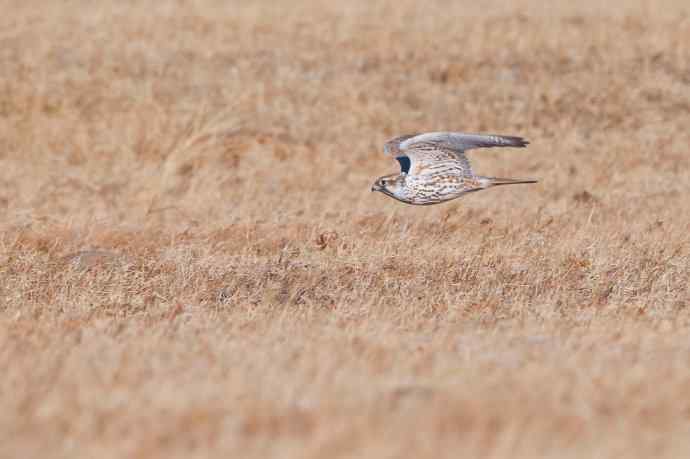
column 93, row 259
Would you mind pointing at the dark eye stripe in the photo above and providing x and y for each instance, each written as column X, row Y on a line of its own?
column 405, row 163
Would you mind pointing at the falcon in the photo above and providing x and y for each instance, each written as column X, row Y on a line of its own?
column 434, row 168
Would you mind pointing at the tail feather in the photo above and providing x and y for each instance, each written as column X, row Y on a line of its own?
column 496, row 181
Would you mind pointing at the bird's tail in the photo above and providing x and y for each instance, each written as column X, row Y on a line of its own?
column 487, row 182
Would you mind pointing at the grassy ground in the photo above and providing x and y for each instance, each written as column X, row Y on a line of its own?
column 192, row 265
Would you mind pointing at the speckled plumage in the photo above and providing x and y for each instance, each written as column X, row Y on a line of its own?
column 434, row 168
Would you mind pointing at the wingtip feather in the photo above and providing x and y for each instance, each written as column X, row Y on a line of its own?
column 515, row 141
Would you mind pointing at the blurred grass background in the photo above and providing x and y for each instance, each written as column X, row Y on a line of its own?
column 192, row 265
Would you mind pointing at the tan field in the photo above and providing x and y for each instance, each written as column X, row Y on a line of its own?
column 192, row 263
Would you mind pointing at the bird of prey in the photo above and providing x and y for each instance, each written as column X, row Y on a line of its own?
column 434, row 169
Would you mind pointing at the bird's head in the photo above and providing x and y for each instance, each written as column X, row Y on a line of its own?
column 389, row 184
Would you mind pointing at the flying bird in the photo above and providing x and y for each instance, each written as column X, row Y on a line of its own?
column 434, row 168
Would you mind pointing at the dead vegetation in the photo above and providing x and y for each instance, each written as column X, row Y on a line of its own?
column 192, row 265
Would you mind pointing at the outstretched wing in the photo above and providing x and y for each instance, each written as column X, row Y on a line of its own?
column 426, row 157
column 424, row 153
column 460, row 142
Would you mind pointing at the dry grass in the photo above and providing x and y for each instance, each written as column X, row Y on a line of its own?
column 192, row 265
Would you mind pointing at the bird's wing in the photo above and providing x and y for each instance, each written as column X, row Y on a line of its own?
column 458, row 141
column 392, row 147
column 426, row 157
column 422, row 153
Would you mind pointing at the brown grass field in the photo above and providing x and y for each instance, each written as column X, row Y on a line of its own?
column 192, row 263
